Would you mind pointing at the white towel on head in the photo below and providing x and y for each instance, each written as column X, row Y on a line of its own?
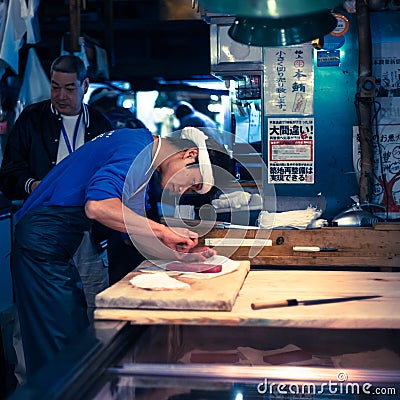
column 199, row 139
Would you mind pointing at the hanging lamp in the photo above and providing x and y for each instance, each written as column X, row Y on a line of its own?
column 270, row 32
column 268, row 8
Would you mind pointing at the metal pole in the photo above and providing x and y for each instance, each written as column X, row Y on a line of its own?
column 75, row 25
column 364, row 102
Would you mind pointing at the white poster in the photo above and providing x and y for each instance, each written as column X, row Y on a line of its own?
column 386, row 168
column 289, row 80
column 386, row 70
column 290, row 150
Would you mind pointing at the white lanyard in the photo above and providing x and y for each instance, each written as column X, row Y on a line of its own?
column 144, row 184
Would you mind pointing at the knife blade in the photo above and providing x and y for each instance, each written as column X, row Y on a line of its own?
column 295, row 302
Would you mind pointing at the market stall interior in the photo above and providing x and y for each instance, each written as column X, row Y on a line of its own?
column 304, row 99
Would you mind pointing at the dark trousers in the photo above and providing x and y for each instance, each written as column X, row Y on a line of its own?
column 123, row 257
column 48, row 290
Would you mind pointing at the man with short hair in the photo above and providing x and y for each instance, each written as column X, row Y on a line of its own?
column 43, row 135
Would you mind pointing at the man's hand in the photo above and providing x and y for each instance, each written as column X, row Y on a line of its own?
column 34, row 185
column 179, row 239
column 175, row 244
column 197, row 254
column 205, row 252
column 151, row 238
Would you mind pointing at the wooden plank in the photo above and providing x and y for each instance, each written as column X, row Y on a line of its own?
column 356, row 247
column 387, row 226
column 217, row 293
column 343, row 262
column 380, row 313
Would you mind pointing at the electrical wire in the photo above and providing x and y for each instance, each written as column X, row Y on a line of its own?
column 359, row 99
column 374, row 121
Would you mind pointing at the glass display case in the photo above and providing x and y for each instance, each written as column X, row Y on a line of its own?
column 123, row 361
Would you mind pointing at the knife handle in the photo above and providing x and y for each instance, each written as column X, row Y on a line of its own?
column 306, row 248
column 274, row 304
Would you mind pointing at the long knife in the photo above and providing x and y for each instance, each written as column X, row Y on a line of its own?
column 295, row 302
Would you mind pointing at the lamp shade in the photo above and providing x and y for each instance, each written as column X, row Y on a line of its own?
column 268, row 8
column 287, row 31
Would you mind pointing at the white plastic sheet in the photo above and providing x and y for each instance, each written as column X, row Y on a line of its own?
column 17, row 18
column 11, row 40
column 31, row 20
column 35, row 85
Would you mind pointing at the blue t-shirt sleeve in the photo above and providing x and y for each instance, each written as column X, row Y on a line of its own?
column 108, row 181
column 123, row 176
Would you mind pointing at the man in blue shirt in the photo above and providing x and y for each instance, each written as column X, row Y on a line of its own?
column 105, row 181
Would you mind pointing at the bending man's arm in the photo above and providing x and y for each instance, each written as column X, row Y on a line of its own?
column 151, row 237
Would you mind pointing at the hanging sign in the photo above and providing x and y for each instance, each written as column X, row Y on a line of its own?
column 290, row 150
column 333, row 42
column 289, row 80
column 328, row 58
column 335, row 39
column 342, row 26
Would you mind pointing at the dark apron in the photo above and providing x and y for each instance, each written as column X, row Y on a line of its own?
column 48, row 289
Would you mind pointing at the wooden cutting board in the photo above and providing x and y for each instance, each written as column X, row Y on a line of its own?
column 216, row 294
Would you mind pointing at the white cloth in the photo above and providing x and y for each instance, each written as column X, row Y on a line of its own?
column 12, row 37
column 199, row 139
column 298, row 219
column 35, row 85
column 157, row 281
column 29, row 13
column 236, row 199
column 16, row 20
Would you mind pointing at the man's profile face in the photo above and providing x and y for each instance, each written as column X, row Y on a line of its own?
column 178, row 173
column 67, row 92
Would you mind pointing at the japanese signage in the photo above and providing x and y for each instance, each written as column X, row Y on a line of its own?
column 386, row 69
column 289, row 80
column 328, row 58
column 291, row 150
column 386, row 166
column 386, row 62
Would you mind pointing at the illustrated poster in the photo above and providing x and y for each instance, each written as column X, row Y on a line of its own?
column 386, row 166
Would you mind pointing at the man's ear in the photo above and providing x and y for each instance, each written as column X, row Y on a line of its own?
column 85, row 85
column 191, row 153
